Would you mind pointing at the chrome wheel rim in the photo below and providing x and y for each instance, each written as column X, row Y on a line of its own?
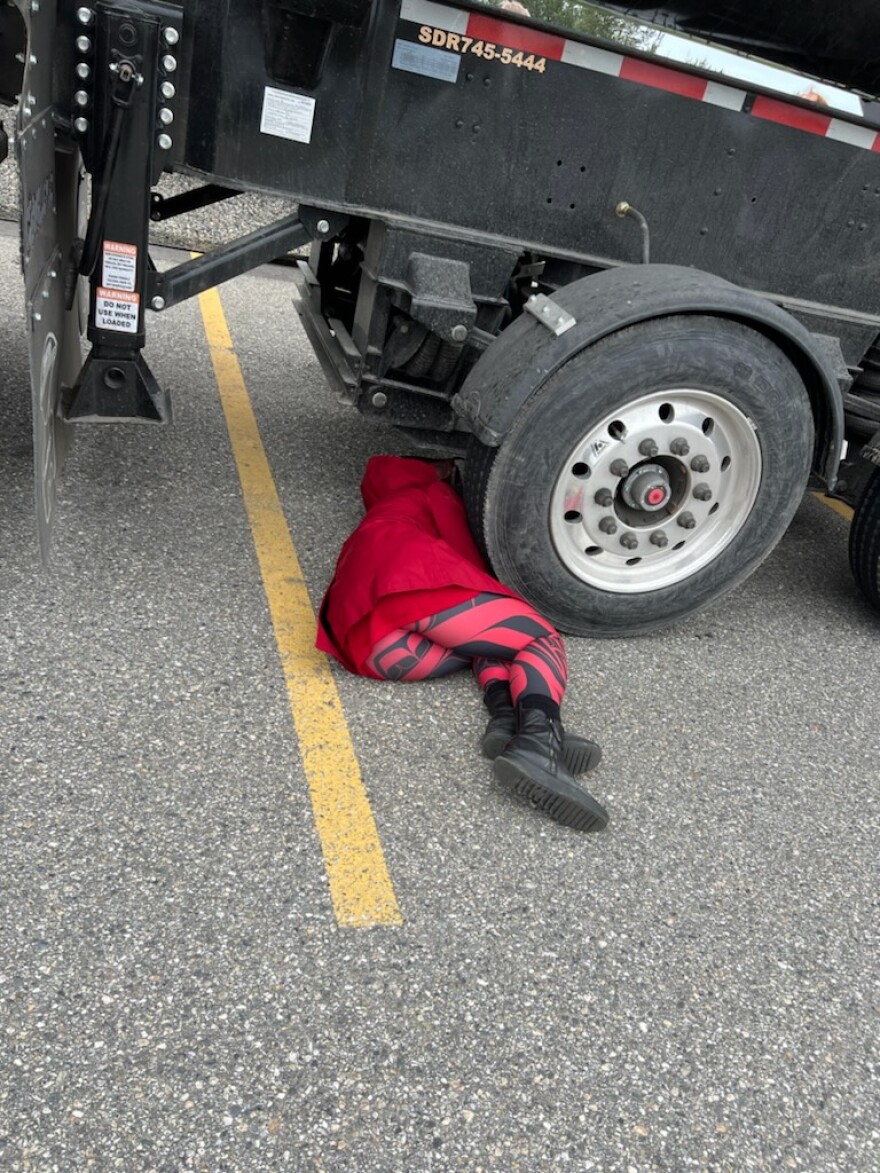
column 655, row 491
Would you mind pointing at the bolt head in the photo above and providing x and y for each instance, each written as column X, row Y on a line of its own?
column 166, row 117
column 604, row 497
column 687, row 521
column 379, row 399
column 166, row 142
column 700, row 464
column 323, row 227
column 169, row 63
column 81, row 125
column 459, row 333
column 648, row 448
column 84, row 15
column 608, row 525
column 629, row 541
column 158, row 303
column 84, row 44
column 167, row 90
column 81, row 98
column 171, row 35
column 702, row 492
column 679, row 447
column 83, row 72
column 659, row 539
column 619, row 468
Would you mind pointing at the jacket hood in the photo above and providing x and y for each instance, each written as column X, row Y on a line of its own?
column 386, row 476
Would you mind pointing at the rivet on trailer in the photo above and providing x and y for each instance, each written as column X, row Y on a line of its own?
column 626, row 269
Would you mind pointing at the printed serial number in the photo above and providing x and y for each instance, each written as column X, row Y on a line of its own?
column 458, row 43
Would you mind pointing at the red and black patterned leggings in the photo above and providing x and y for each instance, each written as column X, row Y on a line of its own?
column 504, row 639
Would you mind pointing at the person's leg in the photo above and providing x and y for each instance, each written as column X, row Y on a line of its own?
column 407, row 655
column 498, row 628
column 495, row 630
column 532, row 764
column 508, row 638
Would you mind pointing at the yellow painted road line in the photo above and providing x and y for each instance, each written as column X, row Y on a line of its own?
column 360, row 885
column 840, row 507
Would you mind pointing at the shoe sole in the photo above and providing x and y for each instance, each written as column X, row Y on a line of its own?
column 579, row 811
column 579, row 753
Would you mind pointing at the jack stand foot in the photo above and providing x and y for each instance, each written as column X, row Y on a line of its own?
column 116, row 390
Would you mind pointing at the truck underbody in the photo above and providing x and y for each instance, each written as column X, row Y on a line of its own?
column 639, row 296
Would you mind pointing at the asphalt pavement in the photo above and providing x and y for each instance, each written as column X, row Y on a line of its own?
column 695, row 988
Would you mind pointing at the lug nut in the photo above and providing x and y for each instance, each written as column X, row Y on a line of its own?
column 169, row 63
column 659, row 539
column 702, row 492
column 619, row 468
column 648, row 448
column 629, row 541
column 84, row 44
column 679, row 447
column 608, row 525
column 687, row 521
column 700, row 464
column 604, row 497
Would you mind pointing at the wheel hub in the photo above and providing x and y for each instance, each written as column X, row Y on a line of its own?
column 626, row 524
column 646, row 488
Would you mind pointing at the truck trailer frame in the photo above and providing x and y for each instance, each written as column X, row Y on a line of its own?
column 637, row 296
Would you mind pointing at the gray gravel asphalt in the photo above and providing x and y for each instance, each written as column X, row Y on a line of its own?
column 695, row 988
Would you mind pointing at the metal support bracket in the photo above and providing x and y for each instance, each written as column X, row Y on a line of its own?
column 125, row 141
column 550, row 314
column 240, row 256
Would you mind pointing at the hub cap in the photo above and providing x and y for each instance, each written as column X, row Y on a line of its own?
column 702, row 443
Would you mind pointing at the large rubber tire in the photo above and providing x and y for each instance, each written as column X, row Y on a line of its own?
column 864, row 541
column 514, row 492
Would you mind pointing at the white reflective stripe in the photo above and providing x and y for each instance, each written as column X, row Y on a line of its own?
column 589, row 57
column 719, row 95
column 453, row 20
column 857, row 136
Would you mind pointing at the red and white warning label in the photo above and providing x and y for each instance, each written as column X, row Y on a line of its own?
column 117, row 310
column 120, row 266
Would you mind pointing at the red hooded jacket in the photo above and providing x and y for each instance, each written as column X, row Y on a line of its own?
column 411, row 556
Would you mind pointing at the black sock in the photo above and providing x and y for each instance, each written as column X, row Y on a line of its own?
column 534, row 700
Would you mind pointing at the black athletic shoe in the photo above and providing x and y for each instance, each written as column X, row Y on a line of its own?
column 532, row 766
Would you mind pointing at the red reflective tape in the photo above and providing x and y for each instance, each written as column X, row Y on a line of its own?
column 772, row 110
column 514, row 36
column 876, row 146
column 661, row 78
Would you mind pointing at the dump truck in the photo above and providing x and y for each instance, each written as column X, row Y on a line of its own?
column 623, row 262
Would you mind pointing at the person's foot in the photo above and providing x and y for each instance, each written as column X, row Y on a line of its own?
column 579, row 753
column 532, row 766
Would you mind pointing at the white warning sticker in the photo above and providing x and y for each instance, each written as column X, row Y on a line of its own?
column 120, row 266
column 117, row 310
column 287, row 115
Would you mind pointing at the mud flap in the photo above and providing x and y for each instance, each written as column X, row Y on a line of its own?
column 49, row 179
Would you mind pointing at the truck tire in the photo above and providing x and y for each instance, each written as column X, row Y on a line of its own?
column 648, row 476
column 864, row 541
